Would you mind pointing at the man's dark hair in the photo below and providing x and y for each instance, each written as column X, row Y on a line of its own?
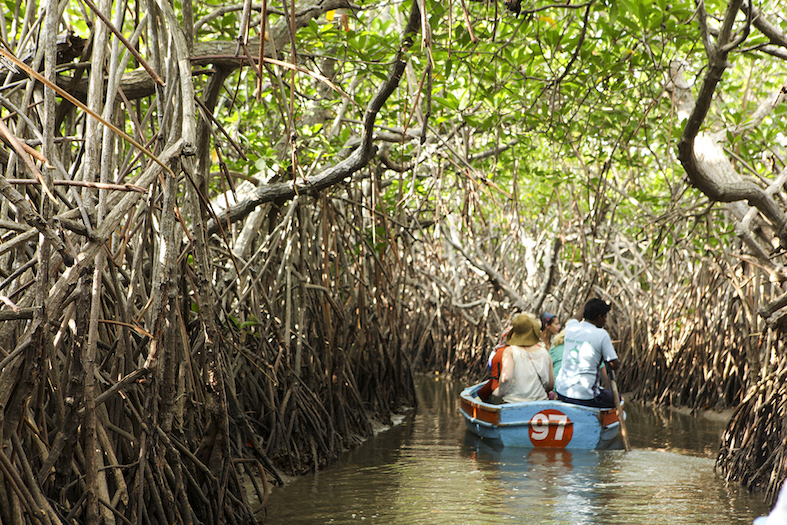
column 594, row 308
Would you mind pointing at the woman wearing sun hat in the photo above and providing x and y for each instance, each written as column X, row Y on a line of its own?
column 526, row 373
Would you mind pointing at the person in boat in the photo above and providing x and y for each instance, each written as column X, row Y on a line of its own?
column 587, row 347
column 556, row 351
column 526, row 369
column 553, row 339
column 550, row 326
column 495, row 358
column 494, row 365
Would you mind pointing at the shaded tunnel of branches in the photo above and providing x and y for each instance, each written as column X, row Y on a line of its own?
column 692, row 331
column 164, row 359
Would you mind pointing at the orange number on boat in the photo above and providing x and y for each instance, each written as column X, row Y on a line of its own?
column 550, row 428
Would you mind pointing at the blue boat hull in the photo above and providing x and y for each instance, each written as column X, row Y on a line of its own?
column 547, row 424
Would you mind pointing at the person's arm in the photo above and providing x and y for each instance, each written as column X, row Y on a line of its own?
column 551, row 382
column 605, row 383
column 608, row 353
column 506, row 373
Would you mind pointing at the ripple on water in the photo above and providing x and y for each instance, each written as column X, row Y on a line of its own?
column 430, row 470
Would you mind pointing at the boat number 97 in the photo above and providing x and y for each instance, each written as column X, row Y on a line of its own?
column 550, row 428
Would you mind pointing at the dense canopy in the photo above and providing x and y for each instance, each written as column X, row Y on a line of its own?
column 232, row 232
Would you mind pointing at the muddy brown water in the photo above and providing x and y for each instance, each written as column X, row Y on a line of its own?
column 429, row 469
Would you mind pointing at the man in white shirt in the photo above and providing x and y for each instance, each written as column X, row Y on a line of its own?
column 587, row 347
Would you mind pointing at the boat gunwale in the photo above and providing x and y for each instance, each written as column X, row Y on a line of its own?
column 496, row 430
column 468, row 395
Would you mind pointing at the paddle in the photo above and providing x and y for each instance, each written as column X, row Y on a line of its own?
column 623, row 433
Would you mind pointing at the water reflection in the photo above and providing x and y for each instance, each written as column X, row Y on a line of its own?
column 430, row 469
column 561, row 485
column 670, row 430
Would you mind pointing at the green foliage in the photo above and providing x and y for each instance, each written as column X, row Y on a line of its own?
column 73, row 15
column 582, row 94
column 247, row 327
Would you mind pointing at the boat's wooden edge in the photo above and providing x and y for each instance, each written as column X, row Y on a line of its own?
column 490, row 413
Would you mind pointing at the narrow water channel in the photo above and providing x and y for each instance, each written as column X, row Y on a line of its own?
column 430, row 470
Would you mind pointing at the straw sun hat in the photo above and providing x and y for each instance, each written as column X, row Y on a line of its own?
column 525, row 331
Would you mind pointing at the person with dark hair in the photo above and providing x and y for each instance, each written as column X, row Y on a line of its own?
column 550, row 326
column 587, row 347
column 553, row 339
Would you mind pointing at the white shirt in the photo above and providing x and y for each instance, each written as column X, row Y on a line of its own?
column 586, row 346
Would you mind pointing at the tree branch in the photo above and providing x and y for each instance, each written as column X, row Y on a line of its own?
column 550, row 266
column 494, row 276
column 708, row 168
column 357, row 160
column 764, row 25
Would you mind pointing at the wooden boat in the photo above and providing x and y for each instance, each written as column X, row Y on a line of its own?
column 547, row 423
